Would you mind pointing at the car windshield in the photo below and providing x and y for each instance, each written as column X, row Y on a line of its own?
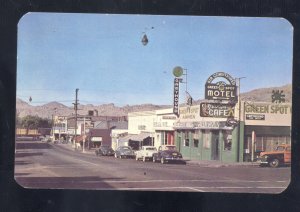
column 280, row 148
column 104, row 147
column 150, row 148
column 170, row 147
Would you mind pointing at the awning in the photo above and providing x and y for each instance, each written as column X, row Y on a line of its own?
column 125, row 138
column 268, row 130
column 137, row 137
column 96, row 139
column 79, row 138
column 140, row 137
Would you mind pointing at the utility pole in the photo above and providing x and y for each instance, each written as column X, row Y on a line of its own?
column 83, row 141
column 75, row 108
column 239, row 121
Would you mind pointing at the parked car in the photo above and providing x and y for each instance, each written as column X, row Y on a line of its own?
column 124, row 152
column 280, row 156
column 104, row 151
column 145, row 153
column 167, row 153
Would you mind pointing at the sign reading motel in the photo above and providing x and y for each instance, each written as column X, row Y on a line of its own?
column 221, row 90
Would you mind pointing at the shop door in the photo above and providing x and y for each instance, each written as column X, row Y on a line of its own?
column 170, row 138
column 215, row 149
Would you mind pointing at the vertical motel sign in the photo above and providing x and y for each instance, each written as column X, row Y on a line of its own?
column 177, row 72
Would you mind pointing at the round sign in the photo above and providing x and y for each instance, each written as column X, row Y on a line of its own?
column 177, row 71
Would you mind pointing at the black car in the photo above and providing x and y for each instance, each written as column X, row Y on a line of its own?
column 124, row 152
column 168, row 153
column 104, row 151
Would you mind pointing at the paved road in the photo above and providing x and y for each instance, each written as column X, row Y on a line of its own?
column 42, row 165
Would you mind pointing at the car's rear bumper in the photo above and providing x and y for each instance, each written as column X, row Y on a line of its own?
column 173, row 159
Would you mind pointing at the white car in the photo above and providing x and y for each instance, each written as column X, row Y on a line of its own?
column 145, row 153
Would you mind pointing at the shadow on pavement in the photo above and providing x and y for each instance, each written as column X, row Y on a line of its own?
column 84, row 182
column 32, row 145
column 22, row 163
column 27, row 154
column 21, row 174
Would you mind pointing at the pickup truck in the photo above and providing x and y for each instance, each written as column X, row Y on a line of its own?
column 280, row 156
column 145, row 153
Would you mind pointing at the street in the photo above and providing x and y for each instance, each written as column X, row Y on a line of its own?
column 45, row 165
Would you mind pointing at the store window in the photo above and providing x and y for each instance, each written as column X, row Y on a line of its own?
column 196, row 142
column 227, row 135
column 186, row 139
column 206, row 139
column 165, row 138
column 195, row 136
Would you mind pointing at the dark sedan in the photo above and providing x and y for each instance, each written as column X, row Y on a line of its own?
column 124, row 152
column 104, row 151
column 168, row 154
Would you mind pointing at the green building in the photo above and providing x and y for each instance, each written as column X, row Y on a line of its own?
column 208, row 138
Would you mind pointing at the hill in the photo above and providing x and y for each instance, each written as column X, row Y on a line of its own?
column 56, row 108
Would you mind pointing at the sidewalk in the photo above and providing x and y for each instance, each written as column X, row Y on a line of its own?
column 71, row 147
column 215, row 164
column 202, row 163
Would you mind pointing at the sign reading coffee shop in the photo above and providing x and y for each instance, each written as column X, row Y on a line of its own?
column 216, row 110
column 221, row 90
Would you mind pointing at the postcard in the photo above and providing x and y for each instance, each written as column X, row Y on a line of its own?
column 153, row 103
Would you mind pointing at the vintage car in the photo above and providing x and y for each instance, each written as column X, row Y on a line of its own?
column 280, row 156
column 145, row 153
column 167, row 153
column 124, row 152
column 104, row 151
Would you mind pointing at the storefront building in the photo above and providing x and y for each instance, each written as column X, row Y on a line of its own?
column 163, row 126
column 266, row 125
column 206, row 138
column 140, row 130
column 60, row 128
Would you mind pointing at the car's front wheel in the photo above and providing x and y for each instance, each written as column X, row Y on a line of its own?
column 274, row 163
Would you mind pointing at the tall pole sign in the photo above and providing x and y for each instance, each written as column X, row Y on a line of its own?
column 177, row 72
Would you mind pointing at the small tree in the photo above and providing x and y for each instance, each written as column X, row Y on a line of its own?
column 34, row 122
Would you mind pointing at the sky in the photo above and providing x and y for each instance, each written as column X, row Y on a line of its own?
column 102, row 55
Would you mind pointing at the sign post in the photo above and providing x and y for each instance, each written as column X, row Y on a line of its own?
column 253, row 138
column 177, row 72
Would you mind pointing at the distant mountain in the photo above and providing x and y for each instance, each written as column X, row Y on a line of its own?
column 265, row 94
column 56, row 108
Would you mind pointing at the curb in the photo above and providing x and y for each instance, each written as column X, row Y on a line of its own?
column 216, row 165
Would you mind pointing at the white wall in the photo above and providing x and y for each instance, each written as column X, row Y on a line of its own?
column 141, row 122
